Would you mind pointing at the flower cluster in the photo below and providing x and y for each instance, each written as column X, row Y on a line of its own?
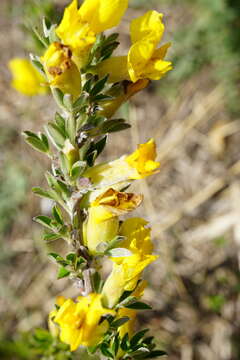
column 90, row 200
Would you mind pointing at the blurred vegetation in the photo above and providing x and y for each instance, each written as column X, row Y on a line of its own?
column 210, row 37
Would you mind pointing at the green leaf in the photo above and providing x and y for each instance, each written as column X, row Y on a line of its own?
column 137, row 337
column 71, row 257
column 88, row 84
column 155, row 353
column 44, row 220
column 119, row 322
column 90, row 158
column 51, row 237
column 56, row 134
column 138, row 305
column 140, row 353
column 35, row 60
column 99, row 86
column 97, row 282
column 104, row 347
column 113, row 125
column 80, row 102
column 63, row 272
column 67, row 102
column 55, row 256
column 125, row 343
column 115, row 344
column 60, row 121
column 46, row 24
column 100, row 145
column 30, row 134
column 57, row 215
column 59, row 259
column 37, row 144
column 44, row 140
column 103, row 97
column 64, row 188
column 64, row 163
column 41, row 38
column 128, row 300
column 41, row 192
column 78, row 168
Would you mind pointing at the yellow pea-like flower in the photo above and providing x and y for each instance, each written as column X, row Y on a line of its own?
column 79, row 321
column 103, row 223
column 144, row 59
column 140, row 164
column 79, row 27
column 143, row 160
column 60, row 69
column 127, row 270
column 26, row 78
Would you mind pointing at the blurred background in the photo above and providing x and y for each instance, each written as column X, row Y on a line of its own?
column 193, row 204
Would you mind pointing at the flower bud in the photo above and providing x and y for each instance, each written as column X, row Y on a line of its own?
column 61, row 71
column 70, row 152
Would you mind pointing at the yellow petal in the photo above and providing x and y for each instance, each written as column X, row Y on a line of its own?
column 102, row 14
column 116, row 203
column 97, row 231
column 26, row 78
column 139, row 55
column 143, row 159
column 76, row 33
column 116, row 67
column 148, row 25
column 61, row 70
column 157, row 67
column 79, row 322
column 137, row 236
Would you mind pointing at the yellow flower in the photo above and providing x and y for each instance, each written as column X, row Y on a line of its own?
column 79, row 322
column 54, row 329
column 61, row 71
column 26, row 79
column 79, row 27
column 144, row 59
column 138, row 165
column 143, row 160
column 103, row 223
column 127, row 270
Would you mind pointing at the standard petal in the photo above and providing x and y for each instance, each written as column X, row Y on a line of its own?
column 139, row 55
column 26, row 78
column 103, row 14
column 116, row 67
column 148, row 25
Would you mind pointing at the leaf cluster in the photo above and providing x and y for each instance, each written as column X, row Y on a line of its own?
column 72, row 264
column 136, row 347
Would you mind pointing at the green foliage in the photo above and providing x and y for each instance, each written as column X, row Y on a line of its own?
column 210, row 38
column 12, row 183
column 39, row 345
column 72, row 264
column 136, row 347
column 216, row 302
